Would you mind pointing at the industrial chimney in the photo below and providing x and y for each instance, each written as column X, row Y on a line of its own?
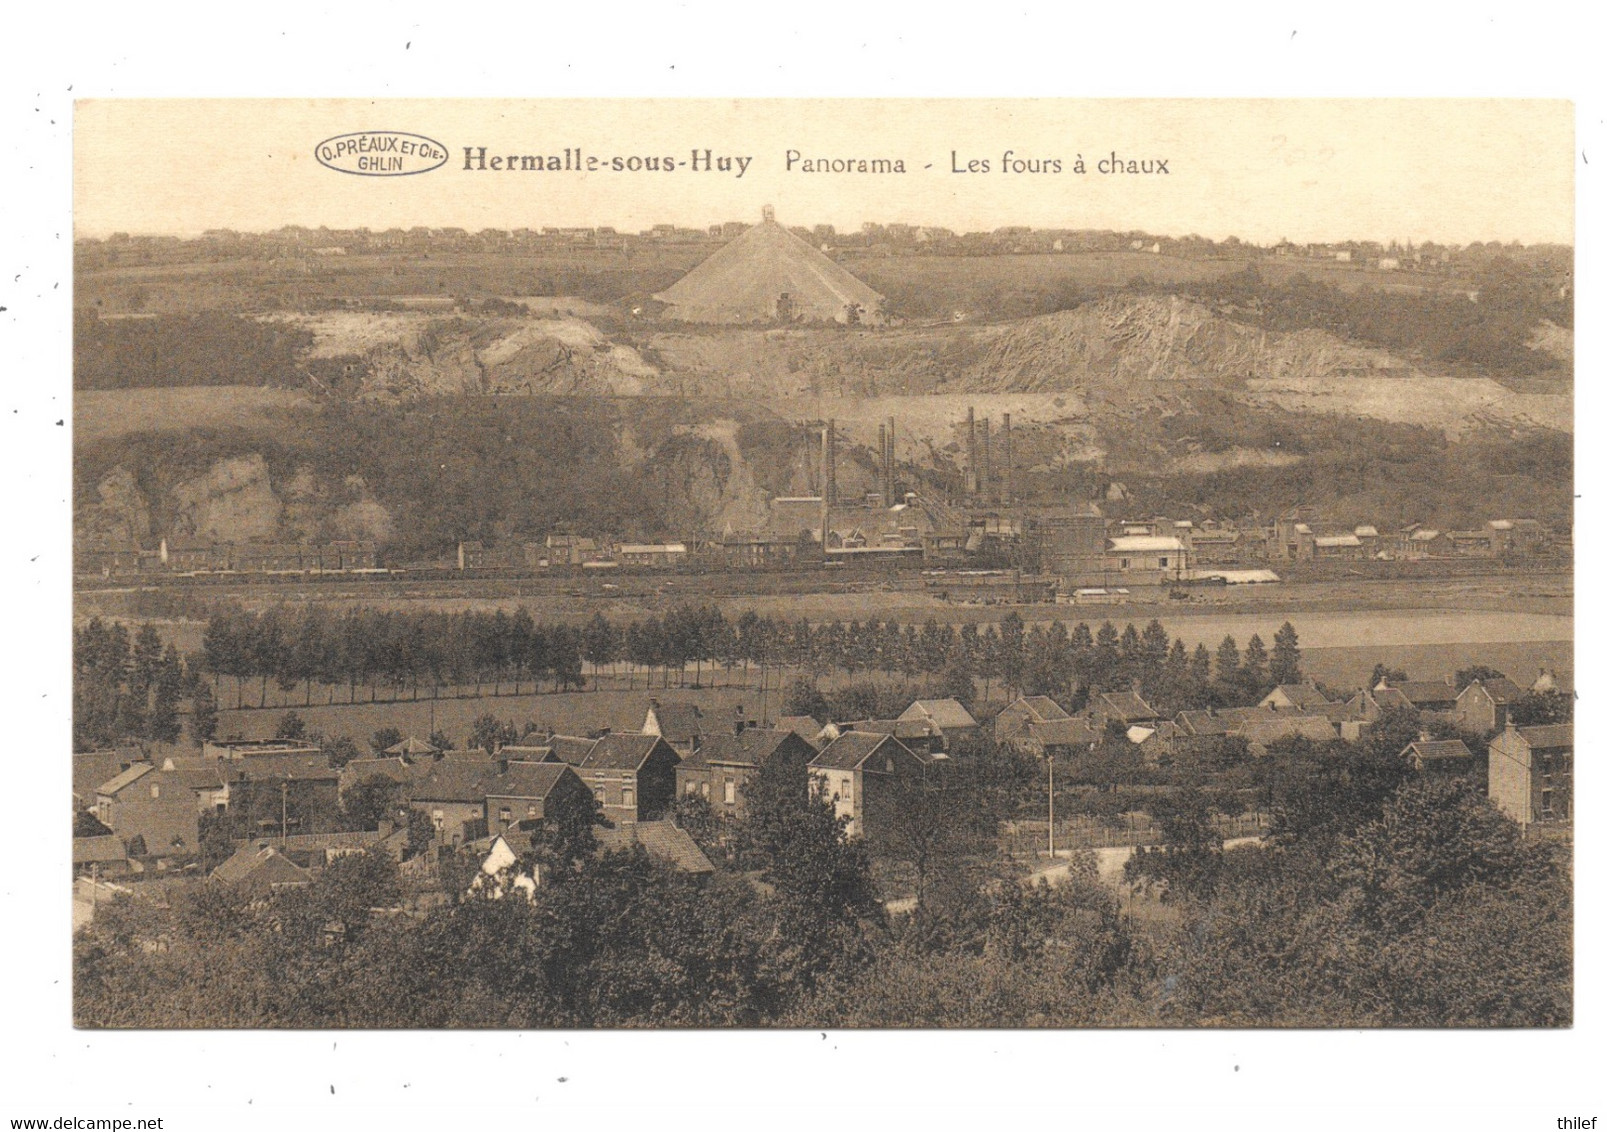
column 1009, row 463
column 985, row 483
column 828, row 485
column 881, row 459
column 972, row 471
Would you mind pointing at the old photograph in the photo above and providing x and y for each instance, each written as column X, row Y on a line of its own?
column 822, row 564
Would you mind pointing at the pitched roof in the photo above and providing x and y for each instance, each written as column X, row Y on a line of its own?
column 1426, row 691
column 1264, row 731
column 661, row 839
column 396, row 770
column 678, row 722
column 572, row 749
column 1126, row 706
column 91, row 768
column 1548, row 736
column 98, row 850
column 1390, row 697
column 1145, row 544
column 1043, row 708
column 527, row 780
column 1437, row 750
column 850, row 750
column 1501, row 690
column 455, row 780
column 412, row 745
column 193, row 773
column 753, row 747
column 1068, row 732
column 304, row 768
column 948, row 714
column 127, row 778
column 1303, row 696
column 260, row 864
column 347, row 839
column 742, row 281
column 1202, row 723
column 806, row 727
column 624, row 750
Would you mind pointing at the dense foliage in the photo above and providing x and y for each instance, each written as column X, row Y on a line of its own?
column 209, row 348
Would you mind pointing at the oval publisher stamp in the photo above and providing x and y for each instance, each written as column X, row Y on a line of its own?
column 380, row 153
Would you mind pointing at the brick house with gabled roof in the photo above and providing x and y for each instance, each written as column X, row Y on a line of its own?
column 452, row 793
column 1126, row 708
column 1296, row 697
column 679, row 724
column 948, row 717
column 632, row 775
column 724, row 764
column 855, row 770
column 1012, row 721
column 524, row 794
column 1483, row 705
column 260, row 869
column 1435, row 696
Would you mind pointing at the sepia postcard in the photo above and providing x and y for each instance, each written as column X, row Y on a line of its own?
column 822, row 564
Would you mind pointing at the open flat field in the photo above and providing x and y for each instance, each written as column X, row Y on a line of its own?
column 106, row 414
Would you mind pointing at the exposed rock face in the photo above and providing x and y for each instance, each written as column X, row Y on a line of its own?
column 233, row 501
column 120, row 513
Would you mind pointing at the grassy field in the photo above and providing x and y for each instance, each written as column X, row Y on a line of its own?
column 106, row 414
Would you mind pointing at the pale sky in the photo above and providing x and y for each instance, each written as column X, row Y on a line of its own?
column 1453, row 171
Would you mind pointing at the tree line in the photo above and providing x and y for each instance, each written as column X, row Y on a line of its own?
column 416, row 653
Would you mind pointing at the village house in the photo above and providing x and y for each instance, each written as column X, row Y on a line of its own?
column 314, row 851
column 652, row 556
column 1058, row 738
column 1125, row 708
column 1443, row 756
column 151, row 817
column 806, row 727
column 1531, row 773
column 947, row 719
column 101, row 856
column 260, row 870
column 680, row 725
column 1011, row 722
column 524, row 794
column 1436, row 697
column 1483, row 705
column 91, row 768
column 724, row 764
column 453, row 794
column 1155, row 741
column 631, row 774
column 1259, row 734
column 663, row 841
column 856, row 771
column 1296, row 697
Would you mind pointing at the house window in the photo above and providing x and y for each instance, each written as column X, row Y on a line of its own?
column 847, row 792
column 439, row 820
column 1126, row 563
column 691, row 788
column 730, row 791
column 705, row 789
column 627, row 797
column 505, row 816
column 156, row 791
column 530, row 811
column 1545, row 804
column 1163, row 564
column 602, row 797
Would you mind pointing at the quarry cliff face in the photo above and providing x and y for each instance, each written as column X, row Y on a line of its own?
column 1102, row 353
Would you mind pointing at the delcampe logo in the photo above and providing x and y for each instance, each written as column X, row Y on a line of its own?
column 381, row 153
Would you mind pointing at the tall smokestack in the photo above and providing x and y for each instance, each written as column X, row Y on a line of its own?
column 986, row 482
column 973, row 469
column 828, row 485
column 881, row 460
column 1009, row 462
column 827, row 482
column 892, row 459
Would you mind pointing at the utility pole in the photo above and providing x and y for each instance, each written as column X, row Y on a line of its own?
column 284, row 812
